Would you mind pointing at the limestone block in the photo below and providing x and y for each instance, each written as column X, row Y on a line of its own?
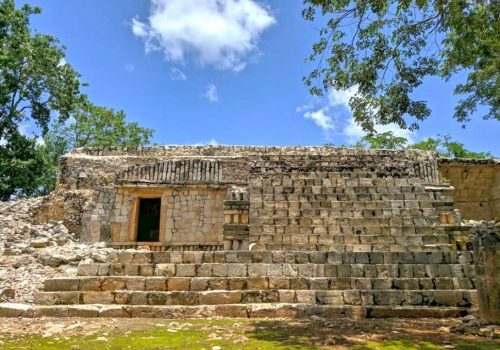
column 186, row 270
column 84, row 311
column 90, row 284
column 135, row 283
column 286, row 296
column 352, row 297
column 167, row 270
column 61, row 284
column 112, row 284
column 220, row 270
column 388, row 297
column 329, row 297
column 237, row 270
column 87, row 269
column 218, row 297
column 178, row 284
column 98, row 297
column 131, row 269
column 146, row 270
column 204, row 270
column 155, row 284
column 198, row 284
column 237, row 283
column 15, row 310
column 138, row 298
column 122, row 298
column 306, row 296
column 257, row 283
column 218, row 283
column 257, row 270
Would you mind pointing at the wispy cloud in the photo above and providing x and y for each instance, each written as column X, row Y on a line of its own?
column 219, row 33
column 333, row 114
column 211, row 93
column 129, row 67
column 321, row 119
column 212, row 142
column 177, row 74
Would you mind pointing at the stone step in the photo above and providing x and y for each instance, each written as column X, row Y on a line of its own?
column 411, row 270
column 112, row 283
column 353, row 241
column 267, row 310
column 298, row 257
column 458, row 298
column 313, row 245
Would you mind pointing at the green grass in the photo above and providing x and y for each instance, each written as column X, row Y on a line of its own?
column 228, row 334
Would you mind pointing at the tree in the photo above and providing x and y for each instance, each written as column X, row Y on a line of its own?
column 385, row 48
column 34, row 80
column 35, row 84
column 20, row 165
column 384, row 140
column 95, row 126
column 88, row 126
column 38, row 87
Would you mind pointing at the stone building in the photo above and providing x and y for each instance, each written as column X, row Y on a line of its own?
column 256, row 231
column 216, row 197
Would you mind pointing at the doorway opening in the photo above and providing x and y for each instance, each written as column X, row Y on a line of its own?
column 148, row 227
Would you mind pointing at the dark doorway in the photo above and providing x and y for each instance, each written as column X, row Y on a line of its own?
column 148, row 228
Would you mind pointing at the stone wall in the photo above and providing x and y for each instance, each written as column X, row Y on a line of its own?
column 477, row 186
column 487, row 268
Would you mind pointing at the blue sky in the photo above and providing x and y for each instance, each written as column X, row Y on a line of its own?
column 196, row 75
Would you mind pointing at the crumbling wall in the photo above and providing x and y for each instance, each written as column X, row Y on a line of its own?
column 67, row 206
column 477, row 186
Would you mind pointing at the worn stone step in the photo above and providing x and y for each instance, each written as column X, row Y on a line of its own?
column 267, row 310
column 299, row 257
column 354, row 241
column 347, row 248
column 462, row 298
column 112, row 283
column 411, row 270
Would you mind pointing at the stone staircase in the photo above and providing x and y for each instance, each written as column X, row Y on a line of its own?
column 266, row 284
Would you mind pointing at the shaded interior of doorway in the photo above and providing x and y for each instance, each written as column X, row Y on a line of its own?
column 149, row 220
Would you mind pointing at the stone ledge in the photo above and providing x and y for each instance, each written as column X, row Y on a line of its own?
column 285, row 310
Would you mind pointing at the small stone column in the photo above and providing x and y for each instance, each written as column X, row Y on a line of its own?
column 487, row 265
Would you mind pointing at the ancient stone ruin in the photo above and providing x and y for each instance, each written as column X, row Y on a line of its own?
column 243, row 231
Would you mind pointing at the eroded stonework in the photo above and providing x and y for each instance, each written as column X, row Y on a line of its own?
column 242, row 231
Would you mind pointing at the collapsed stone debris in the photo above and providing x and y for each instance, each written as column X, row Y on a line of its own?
column 238, row 231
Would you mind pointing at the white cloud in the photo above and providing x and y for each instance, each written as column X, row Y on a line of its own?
column 211, row 93
column 321, row 119
column 212, row 142
column 177, row 74
column 129, row 67
column 219, row 33
column 341, row 97
column 62, row 62
column 335, row 110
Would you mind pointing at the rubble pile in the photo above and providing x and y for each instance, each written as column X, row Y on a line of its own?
column 30, row 253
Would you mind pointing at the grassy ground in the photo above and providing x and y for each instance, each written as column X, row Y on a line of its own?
column 236, row 334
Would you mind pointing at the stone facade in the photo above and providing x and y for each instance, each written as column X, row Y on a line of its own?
column 287, row 197
column 267, row 232
column 476, row 184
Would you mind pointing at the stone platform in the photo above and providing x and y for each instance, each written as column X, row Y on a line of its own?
column 265, row 284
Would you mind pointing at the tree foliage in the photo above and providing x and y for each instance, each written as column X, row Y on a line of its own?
column 384, row 140
column 34, row 81
column 38, row 87
column 385, row 49
column 442, row 145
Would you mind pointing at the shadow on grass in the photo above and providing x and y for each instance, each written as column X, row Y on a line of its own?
column 314, row 335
